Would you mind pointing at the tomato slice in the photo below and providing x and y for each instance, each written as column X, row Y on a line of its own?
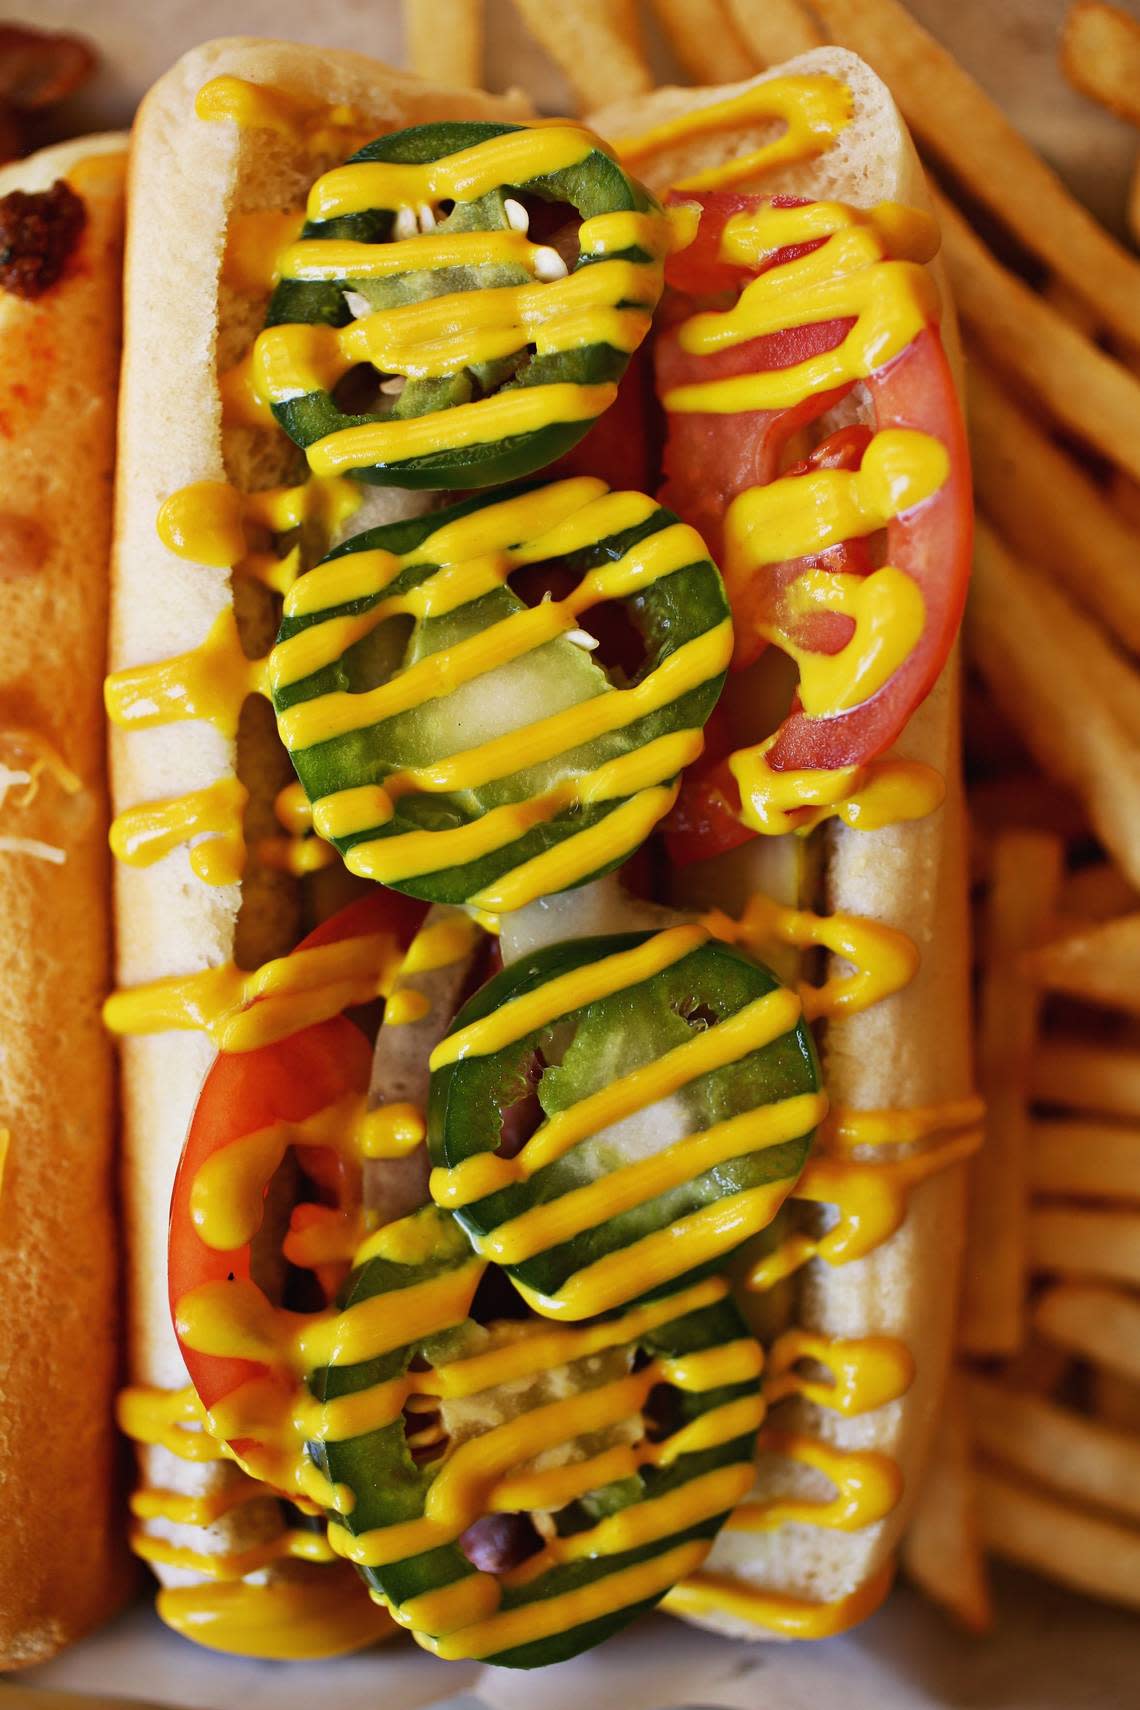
column 710, row 459
column 285, row 1082
column 699, row 269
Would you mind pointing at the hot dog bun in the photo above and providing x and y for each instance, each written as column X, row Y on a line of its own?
column 907, row 1051
column 63, row 1564
column 185, row 325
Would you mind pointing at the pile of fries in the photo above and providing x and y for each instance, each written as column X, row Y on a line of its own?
column 1038, row 1457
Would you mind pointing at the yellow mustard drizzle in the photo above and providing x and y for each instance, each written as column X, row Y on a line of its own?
column 236, row 1319
column 644, row 1523
column 863, row 1372
column 871, row 1198
column 142, row 835
column 443, row 335
column 551, row 1615
column 849, row 1130
column 202, row 1508
column 292, row 1543
column 242, row 402
column 850, row 276
column 242, row 1011
column 393, row 1130
column 513, row 1020
column 465, row 1620
column 883, row 960
column 466, row 1485
column 174, row 1419
column 813, row 110
column 867, row 1485
column 870, row 1190
column 513, row 158
column 475, row 554
column 227, row 1198
column 293, row 809
column 255, row 244
column 696, row 1239
column 777, row 1612
column 870, row 269
column 800, row 514
column 296, row 855
column 212, row 682
column 298, row 851
column 528, row 409
column 319, row 1611
column 317, row 126
column 211, row 522
column 634, row 1184
column 883, row 792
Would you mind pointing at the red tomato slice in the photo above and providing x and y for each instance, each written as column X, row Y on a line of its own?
column 287, row 1081
column 698, row 269
column 933, row 543
column 709, row 459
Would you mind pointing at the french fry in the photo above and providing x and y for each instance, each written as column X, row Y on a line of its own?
column 1091, row 1160
column 1038, row 653
column 1028, row 800
column 972, row 136
column 1100, row 964
column 1097, row 892
column 1076, row 309
column 1074, row 1241
column 1124, row 494
column 1049, row 509
column 1094, row 1555
column 775, row 29
column 1078, row 1075
column 1117, row 1400
column 1038, row 1366
column 445, row 41
column 1134, row 202
column 704, row 38
column 596, row 43
column 1100, row 55
column 1096, row 1323
column 1023, row 896
column 941, row 1550
column 1071, row 1454
column 1021, row 334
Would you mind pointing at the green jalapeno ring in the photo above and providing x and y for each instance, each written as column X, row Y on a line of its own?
column 389, row 1488
column 614, row 1034
column 593, row 186
column 669, row 612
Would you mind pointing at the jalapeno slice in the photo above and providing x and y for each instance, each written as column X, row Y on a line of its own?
column 517, row 1491
column 610, row 1114
column 423, row 333
column 494, row 702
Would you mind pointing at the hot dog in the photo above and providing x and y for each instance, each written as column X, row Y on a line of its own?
column 60, row 244
column 505, row 1299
